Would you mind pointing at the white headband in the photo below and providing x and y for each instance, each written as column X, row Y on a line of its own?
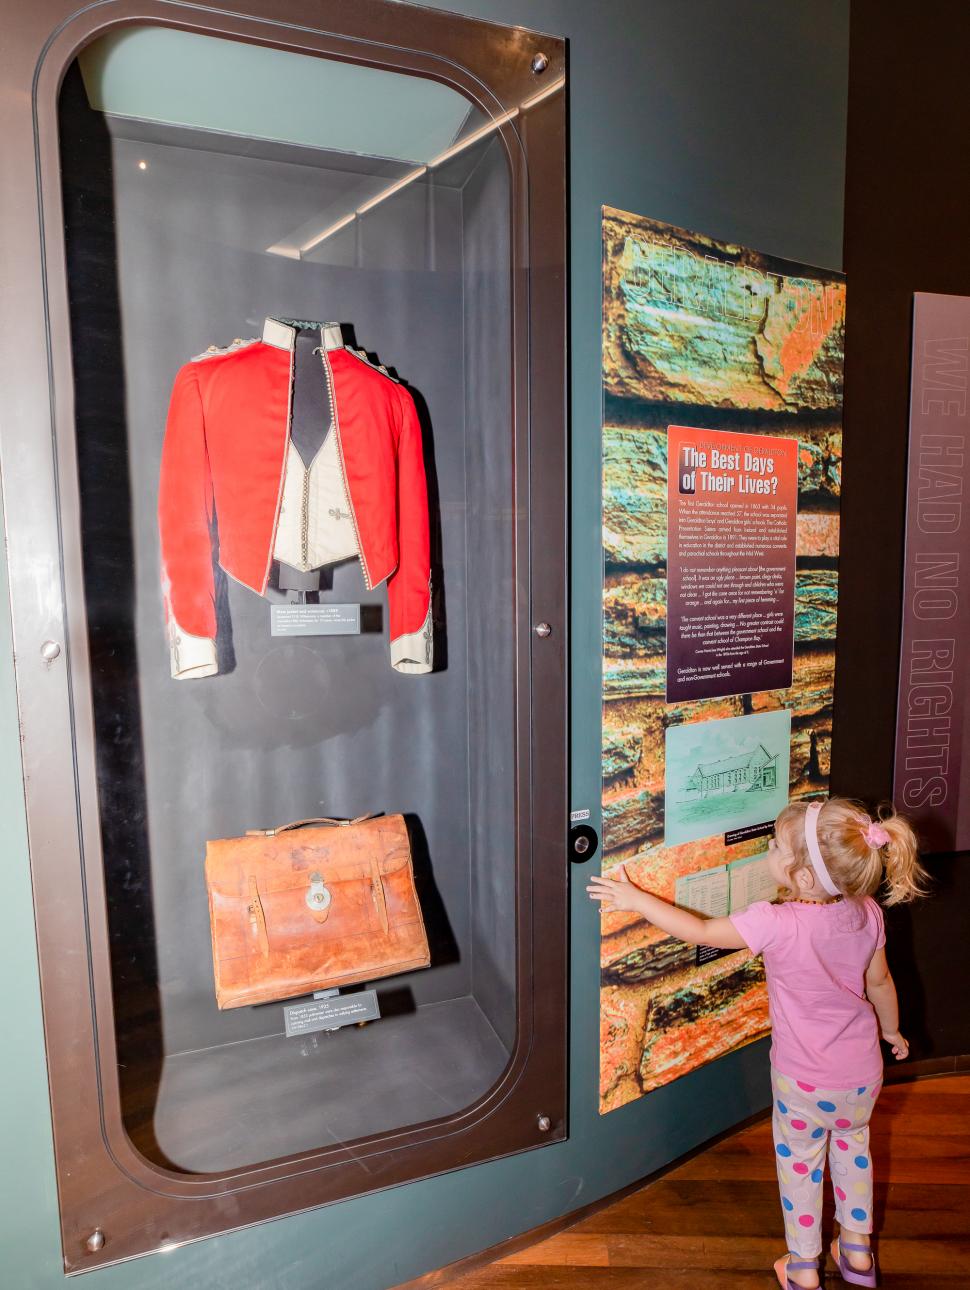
column 814, row 852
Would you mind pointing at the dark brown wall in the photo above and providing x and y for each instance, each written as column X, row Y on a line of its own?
column 906, row 229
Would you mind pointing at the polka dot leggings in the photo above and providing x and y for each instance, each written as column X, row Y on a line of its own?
column 806, row 1121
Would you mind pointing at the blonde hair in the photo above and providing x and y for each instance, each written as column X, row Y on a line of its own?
column 856, row 867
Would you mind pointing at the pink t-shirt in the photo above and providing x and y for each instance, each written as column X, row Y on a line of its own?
column 824, row 1029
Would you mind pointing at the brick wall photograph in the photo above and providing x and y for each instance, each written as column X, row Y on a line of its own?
column 701, row 333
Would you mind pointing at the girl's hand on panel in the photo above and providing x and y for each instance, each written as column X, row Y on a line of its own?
column 615, row 894
column 618, row 894
column 898, row 1044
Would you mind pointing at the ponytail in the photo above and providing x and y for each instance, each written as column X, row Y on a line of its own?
column 905, row 877
column 862, row 853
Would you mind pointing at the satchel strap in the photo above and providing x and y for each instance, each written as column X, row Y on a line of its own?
column 257, row 918
column 379, row 894
column 320, row 819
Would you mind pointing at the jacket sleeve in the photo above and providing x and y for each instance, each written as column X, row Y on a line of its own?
column 409, row 588
column 185, row 515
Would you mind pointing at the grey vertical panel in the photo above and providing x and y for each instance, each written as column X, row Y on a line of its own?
column 485, row 227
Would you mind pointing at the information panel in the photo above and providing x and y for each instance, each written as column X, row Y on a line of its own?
column 731, row 504
column 722, row 449
column 723, row 775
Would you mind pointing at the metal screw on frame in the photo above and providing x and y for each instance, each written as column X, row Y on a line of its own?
column 543, row 630
column 539, row 64
column 543, row 1123
column 49, row 651
column 95, row 1241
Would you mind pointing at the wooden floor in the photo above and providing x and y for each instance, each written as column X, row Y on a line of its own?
column 715, row 1221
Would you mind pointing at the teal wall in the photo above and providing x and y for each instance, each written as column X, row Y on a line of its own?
column 726, row 116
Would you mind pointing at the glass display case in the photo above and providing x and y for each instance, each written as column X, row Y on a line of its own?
column 297, row 558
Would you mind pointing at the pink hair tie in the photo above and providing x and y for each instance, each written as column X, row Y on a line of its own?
column 875, row 835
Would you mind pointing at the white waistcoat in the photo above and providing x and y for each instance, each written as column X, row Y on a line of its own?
column 315, row 526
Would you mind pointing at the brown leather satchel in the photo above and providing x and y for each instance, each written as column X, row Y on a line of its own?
column 311, row 905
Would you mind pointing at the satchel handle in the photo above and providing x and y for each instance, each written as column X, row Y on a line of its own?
column 319, row 819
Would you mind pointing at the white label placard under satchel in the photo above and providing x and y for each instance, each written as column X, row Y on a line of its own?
column 315, row 620
column 330, row 1014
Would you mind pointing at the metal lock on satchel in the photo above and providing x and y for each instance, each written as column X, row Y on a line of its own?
column 318, row 897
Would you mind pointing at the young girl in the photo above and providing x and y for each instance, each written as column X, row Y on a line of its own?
column 830, row 995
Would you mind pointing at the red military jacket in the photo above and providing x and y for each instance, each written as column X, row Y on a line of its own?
column 223, row 463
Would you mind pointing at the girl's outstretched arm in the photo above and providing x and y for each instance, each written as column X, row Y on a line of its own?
column 621, row 894
column 881, row 993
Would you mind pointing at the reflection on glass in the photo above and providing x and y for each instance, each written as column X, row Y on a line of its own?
column 197, row 209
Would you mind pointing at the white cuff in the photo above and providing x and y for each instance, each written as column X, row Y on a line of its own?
column 413, row 653
column 192, row 656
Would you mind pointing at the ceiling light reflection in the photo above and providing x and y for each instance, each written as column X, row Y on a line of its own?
column 297, row 253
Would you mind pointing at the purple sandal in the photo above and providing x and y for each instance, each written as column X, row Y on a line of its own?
column 849, row 1273
column 801, row 1265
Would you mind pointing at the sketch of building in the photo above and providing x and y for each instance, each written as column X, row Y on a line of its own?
column 747, row 772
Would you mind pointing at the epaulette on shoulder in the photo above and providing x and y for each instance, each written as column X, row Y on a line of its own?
column 377, row 367
column 216, row 351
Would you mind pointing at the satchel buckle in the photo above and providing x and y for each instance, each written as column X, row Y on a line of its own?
column 318, row 896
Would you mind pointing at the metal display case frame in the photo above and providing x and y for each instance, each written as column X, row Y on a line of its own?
column 114, row 1203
